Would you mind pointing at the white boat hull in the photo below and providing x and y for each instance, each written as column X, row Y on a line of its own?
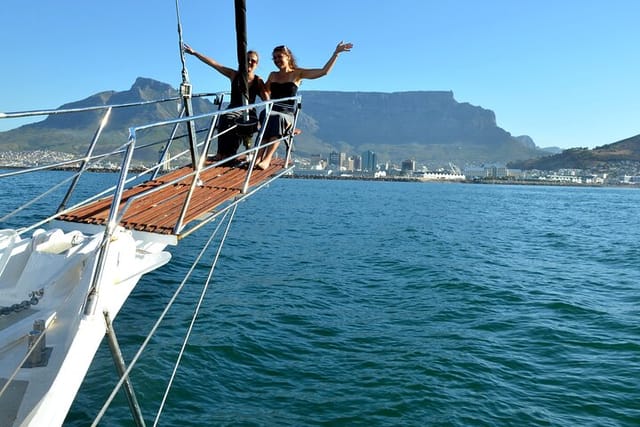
column 57, row 269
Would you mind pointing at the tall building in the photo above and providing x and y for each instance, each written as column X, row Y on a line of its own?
column 408, row 166
column 369, row 161
column 334, row 158
column 349, row 164
column 357, row 163
column 316, row 159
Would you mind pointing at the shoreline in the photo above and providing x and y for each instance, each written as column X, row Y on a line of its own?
column 387, row 179
column 466, row 181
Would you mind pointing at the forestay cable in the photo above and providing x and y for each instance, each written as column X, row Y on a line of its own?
column 163, row 315
column 185, row 73
column 195, row 315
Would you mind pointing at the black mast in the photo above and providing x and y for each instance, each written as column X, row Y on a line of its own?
column 241, row 43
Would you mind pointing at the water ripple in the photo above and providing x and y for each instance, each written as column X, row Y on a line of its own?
column 361, row 303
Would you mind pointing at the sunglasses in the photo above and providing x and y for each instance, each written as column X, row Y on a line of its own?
column 282, row 48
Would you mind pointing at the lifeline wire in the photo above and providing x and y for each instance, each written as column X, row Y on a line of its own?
column 155, row 326
column 195, row 315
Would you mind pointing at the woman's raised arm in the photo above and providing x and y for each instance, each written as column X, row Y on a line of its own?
column 314, row 73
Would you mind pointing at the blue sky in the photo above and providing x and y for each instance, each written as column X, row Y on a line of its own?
column 564, row 72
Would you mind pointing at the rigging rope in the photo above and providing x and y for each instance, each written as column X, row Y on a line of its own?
column 170, row 303
column 185, row 92
column 185, row 73
column 195, row 315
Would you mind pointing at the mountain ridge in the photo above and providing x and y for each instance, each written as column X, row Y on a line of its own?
column 616, row 154
column 423, row 125
column 430, row 127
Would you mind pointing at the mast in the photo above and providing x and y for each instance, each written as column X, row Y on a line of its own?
column 241, row 44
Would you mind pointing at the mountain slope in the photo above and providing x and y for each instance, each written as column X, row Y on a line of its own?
column 73, row 132
column 423, row 125
column 627, row 150
column 430, row 127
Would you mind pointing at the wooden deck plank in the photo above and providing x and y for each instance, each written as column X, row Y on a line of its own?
column 201, row 201
column 159, row 211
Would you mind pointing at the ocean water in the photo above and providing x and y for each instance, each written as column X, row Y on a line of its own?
column 353, row 303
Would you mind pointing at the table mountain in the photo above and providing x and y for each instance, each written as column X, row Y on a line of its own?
column 424, row 125
column 428, row 126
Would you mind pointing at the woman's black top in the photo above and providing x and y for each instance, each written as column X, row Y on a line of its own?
column 283, row 90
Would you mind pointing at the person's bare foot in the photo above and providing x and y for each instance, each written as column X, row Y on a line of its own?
column 297, row 131
column 263, row 165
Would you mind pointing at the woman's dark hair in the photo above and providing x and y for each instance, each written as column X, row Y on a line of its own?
column 286, row 51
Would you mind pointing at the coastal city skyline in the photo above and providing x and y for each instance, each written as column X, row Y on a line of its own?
column 342, row 165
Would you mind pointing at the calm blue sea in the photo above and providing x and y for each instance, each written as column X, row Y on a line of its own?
column 353, row 303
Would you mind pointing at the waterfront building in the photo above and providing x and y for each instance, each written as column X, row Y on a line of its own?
column 369, row 161
column 408, row 166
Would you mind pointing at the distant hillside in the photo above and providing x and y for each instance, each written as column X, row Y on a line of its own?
column 627, row 150
column 430, row 127
column 426, row 126
column 72, row 132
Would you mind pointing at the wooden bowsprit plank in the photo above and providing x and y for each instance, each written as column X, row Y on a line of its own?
column 159, row 211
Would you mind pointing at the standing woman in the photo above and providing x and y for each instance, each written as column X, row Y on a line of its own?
column 284, row 83
column 229, row 142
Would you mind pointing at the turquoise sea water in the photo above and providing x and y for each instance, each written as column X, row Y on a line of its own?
column 342, row 303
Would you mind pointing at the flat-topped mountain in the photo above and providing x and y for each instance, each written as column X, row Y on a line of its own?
column 428, row 126
column 425, row 125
